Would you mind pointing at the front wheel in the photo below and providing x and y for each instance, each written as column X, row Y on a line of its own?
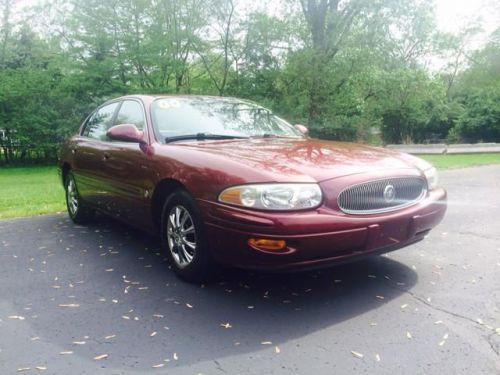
column 77, row 210
column 184, row 240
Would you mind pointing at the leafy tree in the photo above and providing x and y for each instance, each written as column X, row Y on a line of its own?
column 480, row 120
column 38, row 106
column 478, row 92
column 350, row 70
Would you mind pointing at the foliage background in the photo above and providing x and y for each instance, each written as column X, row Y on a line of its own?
column 351, row 70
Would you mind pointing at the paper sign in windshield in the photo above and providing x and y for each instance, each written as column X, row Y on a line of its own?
column 168, row 103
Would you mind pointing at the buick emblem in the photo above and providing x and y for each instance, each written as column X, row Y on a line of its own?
column 389, row 193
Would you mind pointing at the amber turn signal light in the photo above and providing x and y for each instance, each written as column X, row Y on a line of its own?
column 264, row 244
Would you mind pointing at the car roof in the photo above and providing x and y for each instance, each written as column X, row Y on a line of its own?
column 150, row 98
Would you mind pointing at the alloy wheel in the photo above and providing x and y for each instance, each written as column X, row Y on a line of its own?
column 72, row 197
column 181, row 236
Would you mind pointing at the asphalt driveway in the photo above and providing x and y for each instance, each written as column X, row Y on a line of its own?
column 101, row 300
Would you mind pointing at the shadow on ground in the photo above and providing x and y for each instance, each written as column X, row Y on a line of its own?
column 107, row 280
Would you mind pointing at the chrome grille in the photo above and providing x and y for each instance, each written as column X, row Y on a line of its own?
column 382, row 195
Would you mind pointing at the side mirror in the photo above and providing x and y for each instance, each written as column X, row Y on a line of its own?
column 126, row 133
column 302, row 128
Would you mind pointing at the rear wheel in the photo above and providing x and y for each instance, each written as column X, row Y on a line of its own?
column 184, row 240
column 77, row 210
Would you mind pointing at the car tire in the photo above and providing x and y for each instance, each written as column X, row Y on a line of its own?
column 184, row 239
column 78, row 211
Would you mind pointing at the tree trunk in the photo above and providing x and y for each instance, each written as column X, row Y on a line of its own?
column 317, row 93
column 328, row 24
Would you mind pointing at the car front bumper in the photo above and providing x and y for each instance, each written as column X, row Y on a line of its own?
column 315, row 238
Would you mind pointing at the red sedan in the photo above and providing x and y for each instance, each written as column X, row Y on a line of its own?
column 224, row 182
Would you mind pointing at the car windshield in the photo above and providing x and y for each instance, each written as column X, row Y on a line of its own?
column 180, row 118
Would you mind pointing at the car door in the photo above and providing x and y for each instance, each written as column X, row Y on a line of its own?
column 88, row 154
column 128, row 171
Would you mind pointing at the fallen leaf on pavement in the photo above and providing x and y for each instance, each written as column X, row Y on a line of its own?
column 17, row 317
column 357, row 354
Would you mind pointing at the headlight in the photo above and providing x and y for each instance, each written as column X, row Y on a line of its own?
column 273, row 196
column 432, row 178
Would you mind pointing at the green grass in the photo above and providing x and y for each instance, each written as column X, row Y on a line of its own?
column 448, row 161
column 28, row 191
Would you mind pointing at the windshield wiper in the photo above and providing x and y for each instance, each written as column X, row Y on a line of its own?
column 201, row 137
column 270, row 135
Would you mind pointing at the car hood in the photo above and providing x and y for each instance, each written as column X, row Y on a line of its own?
column 301, row 160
